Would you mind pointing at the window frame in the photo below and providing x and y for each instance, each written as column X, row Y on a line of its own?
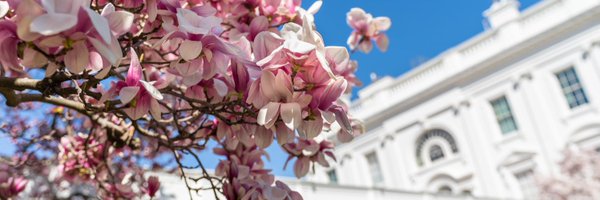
column 571, row 87
column 375, row 170
column 504, row 114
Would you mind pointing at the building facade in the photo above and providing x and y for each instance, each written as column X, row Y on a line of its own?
column 483, row 119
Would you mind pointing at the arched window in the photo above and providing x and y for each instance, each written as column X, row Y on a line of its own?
column 438, row 144
column 435, row 153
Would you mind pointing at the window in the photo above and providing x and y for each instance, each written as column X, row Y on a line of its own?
column 436, row 153
column 504, row 115
column 527, row 184
column 374, row 168
column 332, row 175
column 572, row 88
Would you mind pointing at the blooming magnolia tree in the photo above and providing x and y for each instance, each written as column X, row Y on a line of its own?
column 97, row 89
column 580, row 178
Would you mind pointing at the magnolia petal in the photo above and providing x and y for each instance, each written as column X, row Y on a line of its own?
column 152, row 10
column 284, row 135
column 301, row 167
column 344, row 136
column 190, row 50
column 128, row 93
column 342, row 118
column 383, row 42
column 4, row 7
column 103, row 73
column 139, row 110
column 108, row 9
column 155, row 109
column 382, row 23
column 282, row 85
column 267, row 81
column 51, row 69
column 337, row 54
column 33, row 58
column 104, row 50
column 298, row 46
column 366, row 46
column 50, row 24
column 263, row 137
column 152, row 90
column 312, row 128
column 291, row 114
column 267, row 116
column 220, row 87
column 265, row 43
column 77, row 58
column 100, row 24
column 134, row 73
column 315, row 7
column 120, row 22
column 192, row 79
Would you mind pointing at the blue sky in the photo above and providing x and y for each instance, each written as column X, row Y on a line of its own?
column 421, row 29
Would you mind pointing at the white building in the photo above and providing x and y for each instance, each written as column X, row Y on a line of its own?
column 482, row 119
column 479, row 121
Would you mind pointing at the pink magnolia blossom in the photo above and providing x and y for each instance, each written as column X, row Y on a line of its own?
column 79, row 156
column 239, row 74
column 153, row 185
column 142, row 96
column 10, row 185
column 366, row 28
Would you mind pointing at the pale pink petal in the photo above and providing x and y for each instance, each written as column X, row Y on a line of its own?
column 267, row 116
column 265, row 43
column 312, row 128
column 267, row 80
column 382, row 42
column 298, row 46
column 301, row 167
column 155, row 109
column 51, row 69
column 100, row 24
column 284, row 134
column 4, row 7
column 105, row 51
column 152, row 90
column 152, row 10
column 344, row 136
column 120, row 22
column 263, row 137
column 128, row 93
column 50, row 24
column 139, row 110
column 365, row 46
column 78, row 58
column 103, row 73
column 33, row 58
column 382, row 23
column 337, row 54
column 108, row 9
column 291, row 114
column 282, row 85
column 220, row 87
column 190, row 50
column 315, row 7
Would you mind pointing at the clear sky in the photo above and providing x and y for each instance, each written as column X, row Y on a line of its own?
column 421, row 29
